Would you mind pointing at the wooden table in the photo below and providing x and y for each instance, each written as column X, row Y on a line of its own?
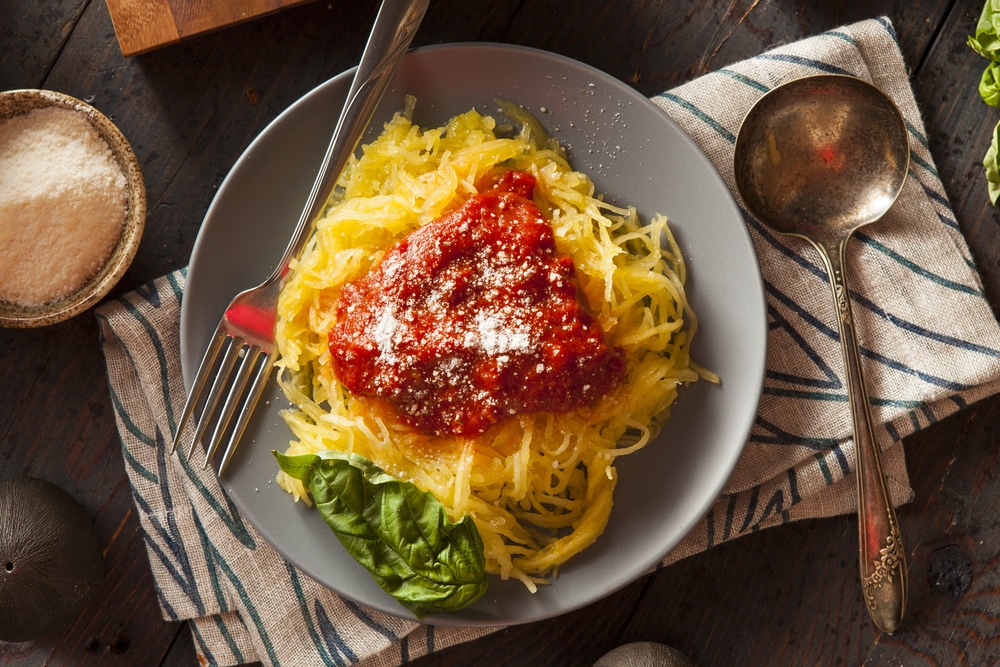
column 786, row 596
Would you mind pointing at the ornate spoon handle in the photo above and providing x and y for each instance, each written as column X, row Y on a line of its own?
column 881, row 556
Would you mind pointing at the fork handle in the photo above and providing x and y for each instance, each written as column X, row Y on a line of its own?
column 396, row 23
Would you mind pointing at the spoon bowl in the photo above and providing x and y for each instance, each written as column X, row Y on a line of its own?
column 817, row 158
column 821, row 156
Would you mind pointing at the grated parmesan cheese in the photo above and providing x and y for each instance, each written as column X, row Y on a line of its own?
column 62, row 205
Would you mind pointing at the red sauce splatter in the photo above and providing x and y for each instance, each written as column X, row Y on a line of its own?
column 472, row 319
column 831, row 157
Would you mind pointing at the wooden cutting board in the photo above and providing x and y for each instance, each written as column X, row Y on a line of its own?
column 144, row 25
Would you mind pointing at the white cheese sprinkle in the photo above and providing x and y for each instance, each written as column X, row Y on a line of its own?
column 385, row 335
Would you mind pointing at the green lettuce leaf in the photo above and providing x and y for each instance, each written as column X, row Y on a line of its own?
column 401, row 535
column 989, row 87
column 990, row 162
column 986, row 41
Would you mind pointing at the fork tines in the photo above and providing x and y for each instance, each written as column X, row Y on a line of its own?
column 224, row 353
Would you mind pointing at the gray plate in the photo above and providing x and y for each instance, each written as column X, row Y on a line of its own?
column 636, row 155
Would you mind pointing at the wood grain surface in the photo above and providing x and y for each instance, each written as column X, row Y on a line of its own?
column 144, row 25
column 785, row 596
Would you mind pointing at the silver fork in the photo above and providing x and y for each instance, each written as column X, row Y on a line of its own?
column 244, row 339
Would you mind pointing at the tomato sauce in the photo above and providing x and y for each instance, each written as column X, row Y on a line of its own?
column 472, row 319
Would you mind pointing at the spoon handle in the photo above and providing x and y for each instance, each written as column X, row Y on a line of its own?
column 881, row 554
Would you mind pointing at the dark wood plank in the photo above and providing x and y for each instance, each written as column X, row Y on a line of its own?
column 956, row 462
column 56, row 423
column 183, row 653
column 33, row 34
column 960, row 126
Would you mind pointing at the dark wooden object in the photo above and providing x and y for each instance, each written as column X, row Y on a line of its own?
column 144, row 25
column 787, row 596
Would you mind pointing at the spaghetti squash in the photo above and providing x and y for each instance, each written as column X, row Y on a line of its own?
column 537, row 481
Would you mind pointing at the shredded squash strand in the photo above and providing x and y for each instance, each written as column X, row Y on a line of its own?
column 539, row 487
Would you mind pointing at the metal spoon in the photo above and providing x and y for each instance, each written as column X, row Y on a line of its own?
column 818, row 158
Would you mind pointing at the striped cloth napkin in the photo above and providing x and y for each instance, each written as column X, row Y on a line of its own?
column 245, row 603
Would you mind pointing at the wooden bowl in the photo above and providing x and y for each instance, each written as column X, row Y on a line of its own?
column 17, row 102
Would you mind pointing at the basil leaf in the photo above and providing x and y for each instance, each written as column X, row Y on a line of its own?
column 992, row 164
column 401, row 535
column 299, row 467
